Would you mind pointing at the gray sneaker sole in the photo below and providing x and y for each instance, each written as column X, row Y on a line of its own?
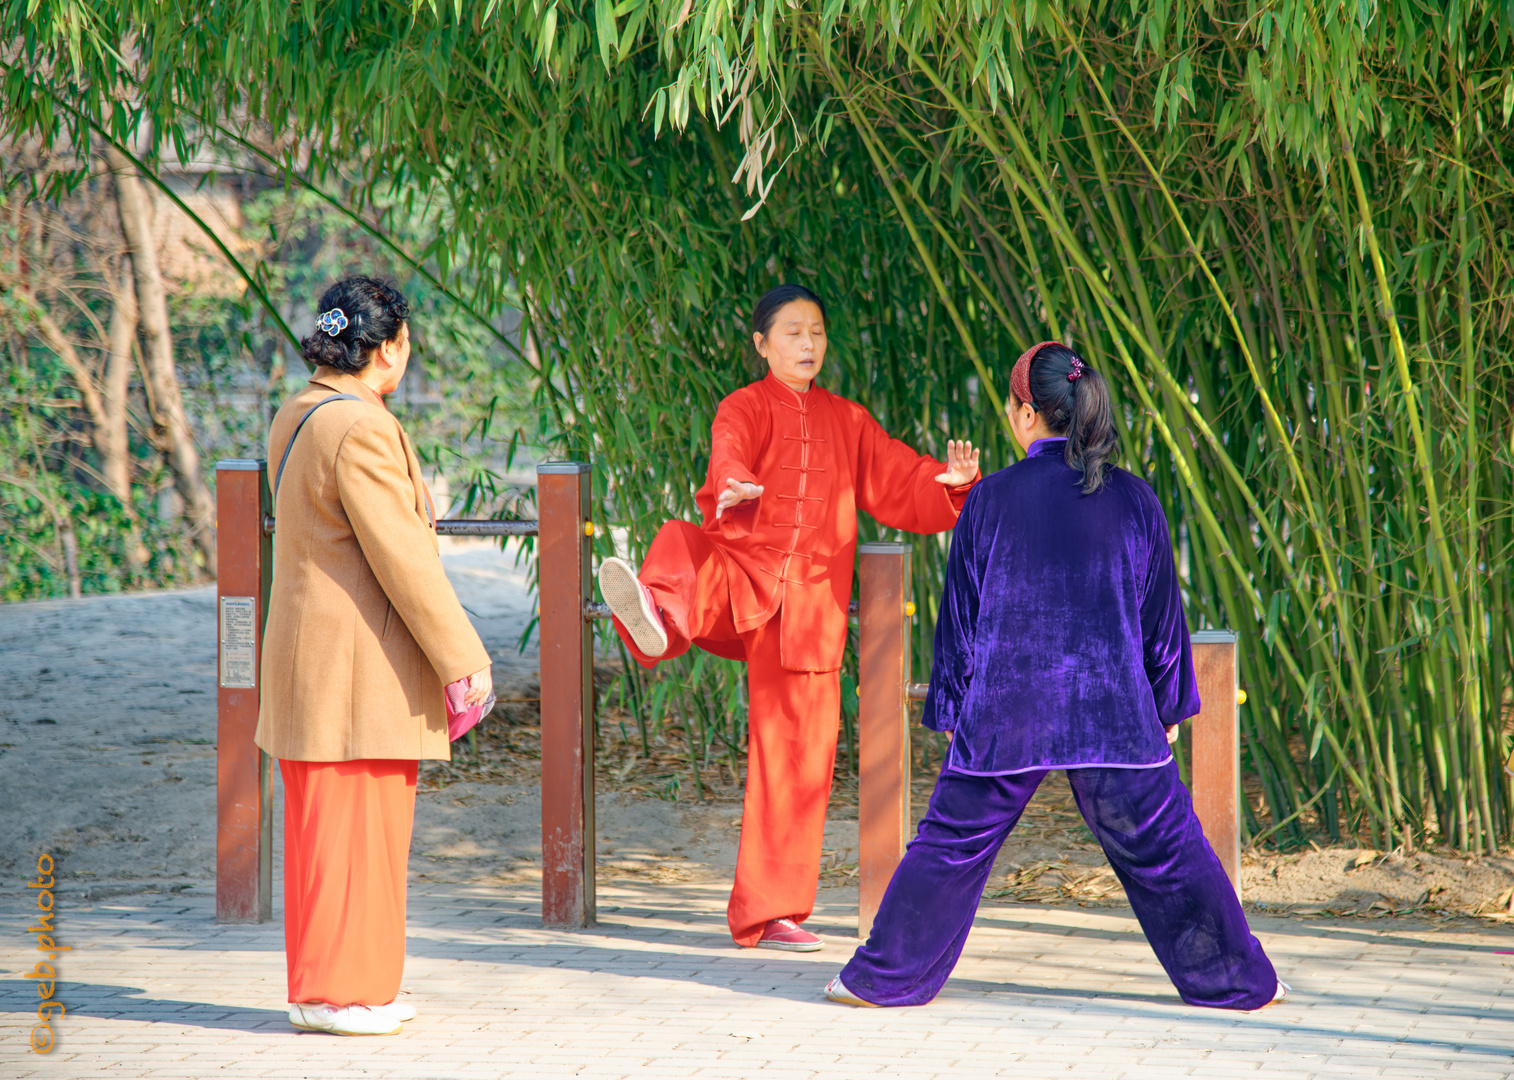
column 621, row 590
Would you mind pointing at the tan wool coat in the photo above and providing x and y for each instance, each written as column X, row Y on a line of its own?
column 364, row 629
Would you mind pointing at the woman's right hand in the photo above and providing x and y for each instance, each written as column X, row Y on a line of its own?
column 961, row 464
column 736, row 491
column 480, row 686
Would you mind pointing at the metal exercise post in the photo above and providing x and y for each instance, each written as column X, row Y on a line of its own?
column 883, row 756
column 244, row 819
column 567, row 697
column 1216, row 764
column 244, row 805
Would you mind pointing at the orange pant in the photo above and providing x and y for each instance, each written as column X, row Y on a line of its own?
column 793, row 718
column 346, row 849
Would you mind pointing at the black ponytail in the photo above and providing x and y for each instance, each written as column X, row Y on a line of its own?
column 1077, row 408
column 363, row 312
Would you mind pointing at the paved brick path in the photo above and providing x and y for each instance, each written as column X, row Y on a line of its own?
column 156, row 989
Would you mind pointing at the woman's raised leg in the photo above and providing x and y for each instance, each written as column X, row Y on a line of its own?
column 686, row 576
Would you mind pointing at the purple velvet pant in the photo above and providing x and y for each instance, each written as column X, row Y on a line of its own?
column 1144, row 820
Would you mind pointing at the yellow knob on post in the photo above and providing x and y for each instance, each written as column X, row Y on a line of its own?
column 588, row 528
column 909, row 608
column 1240, row 697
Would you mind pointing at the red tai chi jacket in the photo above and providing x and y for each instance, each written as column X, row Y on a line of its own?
column 820, row 458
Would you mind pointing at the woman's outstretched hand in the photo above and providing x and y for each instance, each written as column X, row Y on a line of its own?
column 480, row 686
column 961, row 464
column 736, row 491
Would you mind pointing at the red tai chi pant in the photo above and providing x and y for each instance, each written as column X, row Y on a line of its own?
column 793, row 718
column 346, row 848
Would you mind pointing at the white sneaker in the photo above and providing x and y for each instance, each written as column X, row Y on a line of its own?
column 345, row 1020
column 1282, row 991
column 396, row 1010
column 836, row 990
column 632, row 603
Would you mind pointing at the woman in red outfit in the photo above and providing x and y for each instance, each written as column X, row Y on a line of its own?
column 767, row 578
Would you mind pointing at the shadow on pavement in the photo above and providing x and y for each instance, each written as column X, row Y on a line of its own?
column 104, row 1002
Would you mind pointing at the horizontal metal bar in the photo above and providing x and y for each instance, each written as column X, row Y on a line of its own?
column 854, row 608
column 486, row 528
column 459, row 528
column 593, row 609
column 915, row 691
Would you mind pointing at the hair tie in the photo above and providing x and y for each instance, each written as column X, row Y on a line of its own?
column 1019, row 376
column 333, row 322
column 1077, row 370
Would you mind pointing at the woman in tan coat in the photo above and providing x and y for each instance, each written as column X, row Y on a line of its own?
column 364, row 632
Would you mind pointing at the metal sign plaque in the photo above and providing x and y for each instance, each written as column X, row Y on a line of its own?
column 239, row 642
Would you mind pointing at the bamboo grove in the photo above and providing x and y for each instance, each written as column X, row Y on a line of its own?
column 1283, row 229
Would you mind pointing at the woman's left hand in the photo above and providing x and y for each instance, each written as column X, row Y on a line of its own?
column 480, row 686
column 1172, row 734
column 961, row 464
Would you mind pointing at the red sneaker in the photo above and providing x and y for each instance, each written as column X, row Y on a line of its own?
column 787, row 935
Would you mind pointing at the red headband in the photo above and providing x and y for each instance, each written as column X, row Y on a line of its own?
column 1019, row 376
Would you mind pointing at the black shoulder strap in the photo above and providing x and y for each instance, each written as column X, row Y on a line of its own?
column 285, row 459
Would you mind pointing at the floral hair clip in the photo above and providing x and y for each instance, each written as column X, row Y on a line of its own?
column 1077, row 370
column 333, row 322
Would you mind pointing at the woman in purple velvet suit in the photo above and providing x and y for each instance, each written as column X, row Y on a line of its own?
column 1061, row 644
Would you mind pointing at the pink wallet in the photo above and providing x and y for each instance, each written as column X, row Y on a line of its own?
column 462, row 718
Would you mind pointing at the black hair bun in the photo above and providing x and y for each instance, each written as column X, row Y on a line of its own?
column 322, row 349
column 374, row 312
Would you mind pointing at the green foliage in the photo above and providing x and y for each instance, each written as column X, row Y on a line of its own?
column 1281, row 228
column 47, row 494
column 466, row 404
column 234, row 366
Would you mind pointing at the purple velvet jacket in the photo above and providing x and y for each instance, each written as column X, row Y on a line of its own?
column 1061, row 641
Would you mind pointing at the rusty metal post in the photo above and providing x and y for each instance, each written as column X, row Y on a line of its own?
column 1216, row 743
column 244, row 803
column 567, row 697
column 883, row 757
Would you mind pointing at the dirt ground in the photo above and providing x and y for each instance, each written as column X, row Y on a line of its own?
column 1050, row 858
column 107, row 761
